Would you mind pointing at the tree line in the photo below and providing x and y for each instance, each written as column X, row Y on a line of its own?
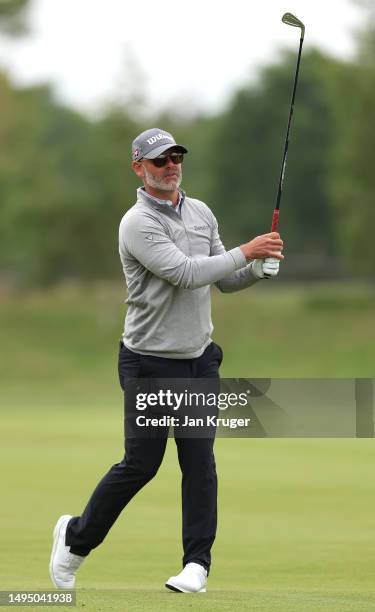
column 66, row 179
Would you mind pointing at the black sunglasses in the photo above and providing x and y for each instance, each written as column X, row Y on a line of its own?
column 176, row 158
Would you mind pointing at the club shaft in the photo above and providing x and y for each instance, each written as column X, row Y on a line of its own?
column 275, row 217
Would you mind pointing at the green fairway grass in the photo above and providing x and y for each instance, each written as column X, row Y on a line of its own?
column 296, row 517
column 60, row 346
column 296, row 520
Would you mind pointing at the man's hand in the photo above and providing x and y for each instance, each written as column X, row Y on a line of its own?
column 265, row 268
column 262, row 247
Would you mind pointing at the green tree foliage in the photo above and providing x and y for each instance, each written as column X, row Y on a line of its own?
column 247, row 150
column 352, row 174
column 65, row 183
column 13, row 16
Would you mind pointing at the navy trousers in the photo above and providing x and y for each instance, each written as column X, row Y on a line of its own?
column 141, row 462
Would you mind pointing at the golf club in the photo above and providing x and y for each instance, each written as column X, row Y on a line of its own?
column 291, row 20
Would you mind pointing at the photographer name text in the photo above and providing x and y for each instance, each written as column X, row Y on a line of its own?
column 208, row 421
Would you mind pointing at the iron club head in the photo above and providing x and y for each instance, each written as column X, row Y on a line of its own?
column 292, row 20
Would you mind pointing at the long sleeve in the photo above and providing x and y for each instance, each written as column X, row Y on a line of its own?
column 236, row 280
column 146, row 239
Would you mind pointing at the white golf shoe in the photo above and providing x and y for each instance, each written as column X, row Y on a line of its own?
column 192, row 579
column 63, row 564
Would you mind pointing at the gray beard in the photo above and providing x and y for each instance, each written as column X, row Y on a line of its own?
column 160, row 184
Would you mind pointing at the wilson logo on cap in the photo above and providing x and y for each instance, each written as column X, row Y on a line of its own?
column 157, row 137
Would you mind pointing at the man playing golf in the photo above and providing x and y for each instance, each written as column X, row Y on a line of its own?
column 171, row 253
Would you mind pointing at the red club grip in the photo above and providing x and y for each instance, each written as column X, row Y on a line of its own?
column 275, row 220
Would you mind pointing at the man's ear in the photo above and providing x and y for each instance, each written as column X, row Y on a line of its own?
column 137, row 167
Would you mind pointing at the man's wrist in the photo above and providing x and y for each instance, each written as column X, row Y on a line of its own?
column 245, row 250
column 239, row 257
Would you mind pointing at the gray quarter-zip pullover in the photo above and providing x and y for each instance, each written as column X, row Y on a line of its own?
column 169, row 261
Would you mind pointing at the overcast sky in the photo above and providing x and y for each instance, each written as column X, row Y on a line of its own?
column 191, row 52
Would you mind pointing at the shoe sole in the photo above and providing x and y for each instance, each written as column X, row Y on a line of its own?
column 56, row 534
column 176, row 590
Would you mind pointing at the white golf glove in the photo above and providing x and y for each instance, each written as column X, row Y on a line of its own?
column 265, row 268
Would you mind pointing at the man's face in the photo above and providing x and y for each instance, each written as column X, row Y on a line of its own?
column 166, row 178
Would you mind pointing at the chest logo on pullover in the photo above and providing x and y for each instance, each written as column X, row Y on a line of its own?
column 201, row 227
